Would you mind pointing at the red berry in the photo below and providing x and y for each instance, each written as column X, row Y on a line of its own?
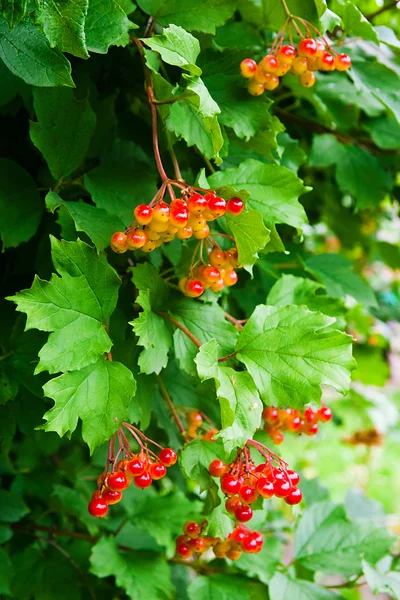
column 312, row 429
column 136, row 466
column 253, row 543
column 240, row 533
column 192, row 529
column 143, row 214
column 230, row 484
column 217, row 258
column 265, row 488
column 143, row 481
column 98, row 508
column 326, row 62
column 293, row 476
column 324, row 414
column 293, row 423
column 294, row 497
column 194, row 288
column 307, row 47
column 183, row 550
column 287, row 54
column 248, row 494
column 168, row 457
column 234, row 206
column 136, row 239
column 243, row 513
column 270, row 415
column 158, row 471
column 117, row 481
column 184, row 233
column 179, row 213
column 276, row 436
column 198, row 544
column 248, row 67
column 197, row 204
column 111, row 496
column 119, row 242
column 161, row 212
column 217, row 468
column 232, row 504
column 269, row 64
column 217, row 206
column 211, row 274
column 310, row 415
column 342, row 62
column 282, row 487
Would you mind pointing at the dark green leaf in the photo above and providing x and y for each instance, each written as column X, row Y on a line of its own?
column 176, row 47
column 250, row 236
column 106, row 25
column 64, row 24
column 14, row 11
column 12, row 507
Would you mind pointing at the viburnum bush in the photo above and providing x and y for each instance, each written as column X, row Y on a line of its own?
column 199, row 340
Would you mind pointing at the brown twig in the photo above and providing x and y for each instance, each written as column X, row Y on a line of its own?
column 236, row 322
column 184, row 329
column 228, row 357
column 168, row 400
column 383, row 8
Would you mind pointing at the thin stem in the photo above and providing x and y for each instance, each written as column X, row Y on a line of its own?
column 237, row 322
column 224, row 235
column 382, row 9
column 286, row 9
column 6, row 355
column 184, row 329
column 168, row 400
column 228, row 357
column 177, row 170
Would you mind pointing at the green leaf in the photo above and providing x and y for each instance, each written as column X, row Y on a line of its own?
column 63, row 142
column 64, row 24
column 297, row 290
column 284, row 587
column 290, row 354
column 20, row 204
column 97, row 223
column 8, row 387
column 381, row 581
column 27, row 53
column 349, row 161
column 356, row 24
column 250, row 235
column 213, row 13
column 206, row 322
column 6, row 573
column 196, row 457
column 73, row 502
column 274, row 191
column 389, row 253
column 153, row 332
column 372, row 366
column 98, row 394
column 327, row 541
column 106, row 25
column 336, row 273
column 262, row 565
column 14, row 11
column 198, row 96
column 225, row 587
column 143, row 575
column 75, row 309
column 379, row 80
column 271, row 14
column 239, row 399
column 385, row 132
column 12, row 507
column 176, row 47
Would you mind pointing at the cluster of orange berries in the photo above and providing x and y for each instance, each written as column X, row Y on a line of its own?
column 218, row 273
column 311, row 55
column 241, row 539
column 182, row 218
column 197, row 427
column 278, row 420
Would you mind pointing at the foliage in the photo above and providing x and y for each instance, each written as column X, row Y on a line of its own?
column 90, row 339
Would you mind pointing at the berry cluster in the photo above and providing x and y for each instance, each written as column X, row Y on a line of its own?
column 183, row 218
column 217, row 273
column 278, row 420
column 243, row 482
column 241, row 539
column 311, row 55
column 199, row 426
column 142, row 468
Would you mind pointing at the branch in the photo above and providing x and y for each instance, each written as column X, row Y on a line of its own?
column 228, row 357
column 382, row 9
column 168, row 400
column 184, row 329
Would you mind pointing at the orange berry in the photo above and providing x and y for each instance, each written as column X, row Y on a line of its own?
column 307, row 79
column 203, row 233
column 269, row 64
column 271, row 82
column 136, row 239
column 185, row 233
column 299, row 65
column 230, row 277
column 248, row 67
column 307, row 47
column 342, row 62
column 161, row 212
column 217, row 257
column 254, row 88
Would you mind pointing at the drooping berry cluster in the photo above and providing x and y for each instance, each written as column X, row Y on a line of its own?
column 311, row 55
column 141, row 468
column 243, row 482
column 217, row 273
column 183, row 218
column 241, row 539
column 278, row 420
column 199, row 426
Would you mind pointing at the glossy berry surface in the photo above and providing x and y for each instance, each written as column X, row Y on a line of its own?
column 192, row 529
column 243, row 513
column 158, row 471
column 111, row 496
column 230, row 484
column 342, row 62
column 143, row 481
column 168, row 457
column 119, row 242
column 98, row 508
column 294, row 497
column 194, row 288
column 234, row 206
column 217, row 468
column 248, row 67
column 143, row 214
column 136, row 466
column 307, row 47
column 117, row 481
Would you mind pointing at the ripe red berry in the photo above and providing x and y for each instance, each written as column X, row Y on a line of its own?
column 293, row 476
column 98, row 508
column 119, row 242
column 179, row 213
column 184, row 233
column 248, row 67
column 168, row 457
column 239, row 533
column 276, row 436
column 230, row 484
column 248, row 494
column 194, row 288
column 197, row 204
column 342, row 62
column 158, row 471
column 136, row 239
column 198, row 544
column 252, row 543
column 326, row 62
column 117, row 481
column 232, row 504
column 143, row 481
column 265, row 488
column 183, row 550
column 307, row 47
column 310, row 415
column 269, row 64
column 217, row 468
column 312, row 429
column 324, row 414
column 192, row 529
column 270, row 415
column 287, row 54
column 234, row 206
column 143, row 214
column 243, row 513
column 282, row 487
column 217, row 258
column 217, row 206
column 294, row 497
column 293, row 423
column 161, row 212
column 111, row 496
column 136, row 466
column 211, row 274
